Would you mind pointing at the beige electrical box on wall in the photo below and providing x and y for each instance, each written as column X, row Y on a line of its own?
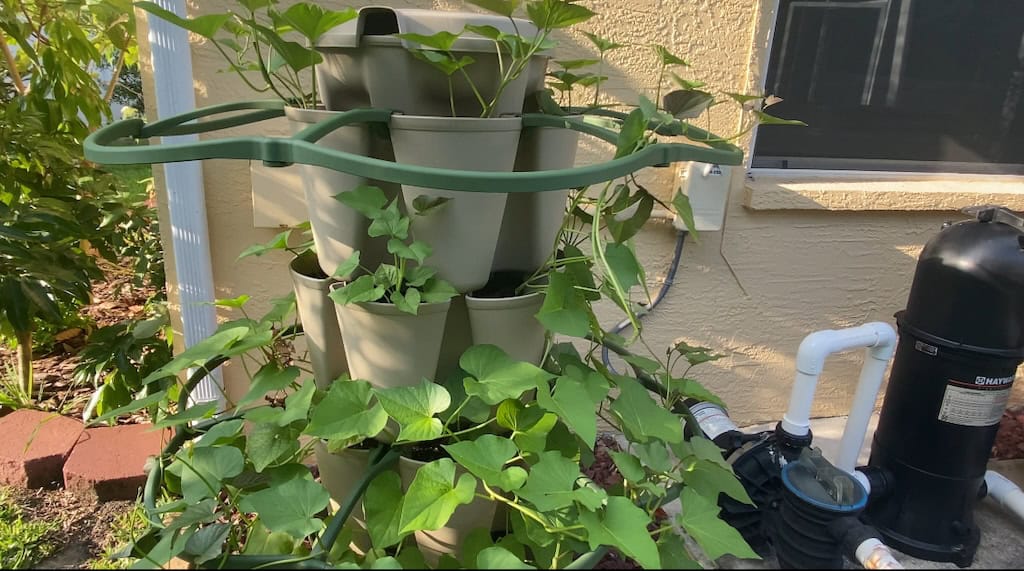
column 278, row 200
column 707, row 187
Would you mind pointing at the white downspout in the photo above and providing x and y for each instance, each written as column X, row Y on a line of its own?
column 186, row 202
column 880, row 339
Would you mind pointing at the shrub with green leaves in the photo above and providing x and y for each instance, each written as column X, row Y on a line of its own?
column 56, row 209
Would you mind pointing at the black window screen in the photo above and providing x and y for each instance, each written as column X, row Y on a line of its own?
column 905, row 85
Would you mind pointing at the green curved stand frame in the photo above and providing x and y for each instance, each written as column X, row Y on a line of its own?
column 125, row 142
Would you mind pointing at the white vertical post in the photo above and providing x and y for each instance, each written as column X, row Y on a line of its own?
column 186, row 202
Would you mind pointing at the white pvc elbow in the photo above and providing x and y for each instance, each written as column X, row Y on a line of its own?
column 1005, row 493
column 810, row 360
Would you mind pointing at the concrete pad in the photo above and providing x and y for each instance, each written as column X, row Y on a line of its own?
column 108, row 462
column 34, row 446
column 1002, row 534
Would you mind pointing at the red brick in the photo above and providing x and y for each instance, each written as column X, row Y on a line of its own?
column 108, row 462
column 34, row 446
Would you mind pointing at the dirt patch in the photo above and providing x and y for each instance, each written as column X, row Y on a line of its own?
column 1010, row 438
column 84, row 525
column 115, row 299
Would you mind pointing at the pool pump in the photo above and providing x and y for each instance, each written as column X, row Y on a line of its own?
column 961, row 340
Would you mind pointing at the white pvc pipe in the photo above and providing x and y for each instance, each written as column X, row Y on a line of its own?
column 880, row 338
column 1005, row 493
column 873, row 554
column 186, row 201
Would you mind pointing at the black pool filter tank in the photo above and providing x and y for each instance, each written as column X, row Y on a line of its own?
column 961, row 341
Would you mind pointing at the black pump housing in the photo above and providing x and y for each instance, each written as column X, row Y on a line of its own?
column 961, row 341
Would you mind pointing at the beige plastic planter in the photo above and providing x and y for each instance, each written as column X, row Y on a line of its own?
column 509, row 323
column 464, row 231
column 457, row 338
column 337, row 229
column 365, row 63
column 339, row 473
column 319, row 319
column 449, row 539
column 391, row 348
column 531, row 220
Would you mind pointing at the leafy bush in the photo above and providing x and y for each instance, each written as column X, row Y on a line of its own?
column 59, row 212
column 118, row 356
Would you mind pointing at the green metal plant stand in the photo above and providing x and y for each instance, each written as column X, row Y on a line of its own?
column 126, row 142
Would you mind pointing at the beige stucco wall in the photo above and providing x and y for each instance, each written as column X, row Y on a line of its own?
column 751, row 291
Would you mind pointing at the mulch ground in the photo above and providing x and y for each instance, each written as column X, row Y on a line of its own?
column 115, row 299
column 1010, row 438
column 84, row 525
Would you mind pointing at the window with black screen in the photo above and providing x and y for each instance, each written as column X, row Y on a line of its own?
column 899, row 85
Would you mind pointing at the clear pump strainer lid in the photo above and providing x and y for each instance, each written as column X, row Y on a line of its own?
column 815, row 480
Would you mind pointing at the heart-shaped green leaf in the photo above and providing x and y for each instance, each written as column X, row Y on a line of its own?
column 642, row 418
column 204, row 26
column 442, row 40
column 551, row 482
column 390, row 222
column 289, row 507
column 409, row 302
column 603, row 45
column 666, row 57
column 700, row 519
column 204, row 470
column 267, row 443
column 345, row 415
column 434, row 495
column 296, row 405
column 366, row 200
column 485, row 458
column 383, row 505
column 504, row 7
column 269, row 379
column 496, row 376
column 208, row 542
column 362, row 289
column 499, row 558
column 414, row 408
column 573, row 404
column 417, row 251
column 345, row 269
column 624, row 526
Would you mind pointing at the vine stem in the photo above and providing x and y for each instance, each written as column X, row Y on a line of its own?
column 12, row 67
column 381, row 460
column 114, row 78
column 527, row 512
column 653, row 385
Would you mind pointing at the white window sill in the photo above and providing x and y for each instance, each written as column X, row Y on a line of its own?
column 770, row 189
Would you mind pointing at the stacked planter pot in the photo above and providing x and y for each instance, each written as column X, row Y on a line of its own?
column 474, row 236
